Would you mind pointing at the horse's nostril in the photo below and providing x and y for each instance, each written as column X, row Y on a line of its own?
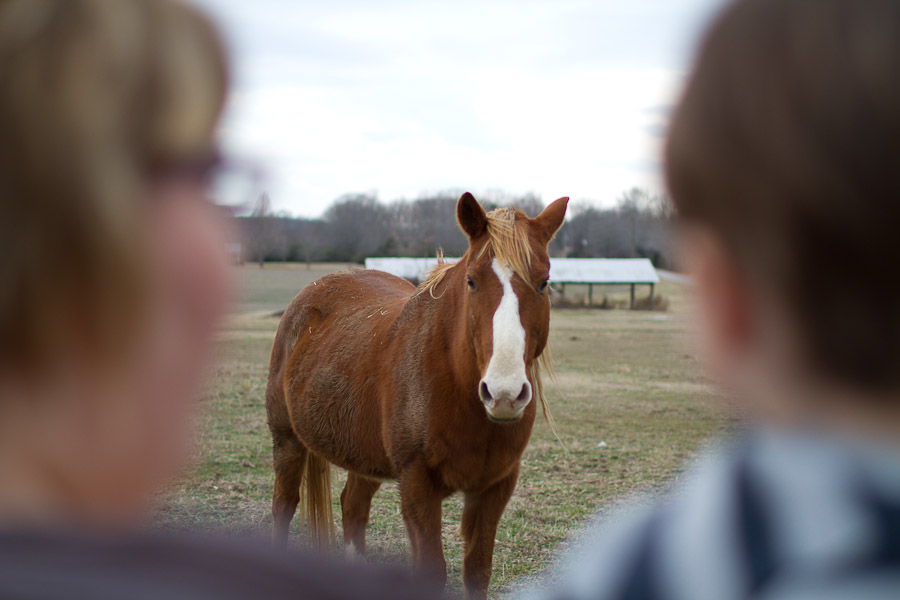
column 523, row 395
column 485, row 393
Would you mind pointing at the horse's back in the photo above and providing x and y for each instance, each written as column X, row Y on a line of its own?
column 341, row 290
column 327, row 361
column 331, row 300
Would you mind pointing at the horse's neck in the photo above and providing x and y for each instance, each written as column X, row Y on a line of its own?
column 443, row 328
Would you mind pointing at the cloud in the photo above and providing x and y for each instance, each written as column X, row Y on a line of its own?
column 663, row 110
column 402, row 97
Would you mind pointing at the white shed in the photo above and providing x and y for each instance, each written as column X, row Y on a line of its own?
column 408, row 268
column 604, row 271
column 587, row 271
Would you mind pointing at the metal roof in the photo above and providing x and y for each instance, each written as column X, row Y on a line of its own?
column 676, row 277
column 602, row 270
column 410, row 268
column 562, row 270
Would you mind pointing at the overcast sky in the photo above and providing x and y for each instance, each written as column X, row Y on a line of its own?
column 404, row 97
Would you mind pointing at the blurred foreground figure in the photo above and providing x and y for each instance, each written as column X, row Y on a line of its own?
column 783, row 159
column 112, row 281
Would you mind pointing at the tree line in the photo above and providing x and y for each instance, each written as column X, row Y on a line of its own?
column 357, row 226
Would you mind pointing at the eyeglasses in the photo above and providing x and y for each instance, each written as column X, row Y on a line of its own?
column 230, row 181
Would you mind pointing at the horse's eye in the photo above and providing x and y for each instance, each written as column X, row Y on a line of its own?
column 471, row 283
column 544, row 285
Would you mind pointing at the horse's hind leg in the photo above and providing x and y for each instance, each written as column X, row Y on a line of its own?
column 356, row 500
column 289, row 462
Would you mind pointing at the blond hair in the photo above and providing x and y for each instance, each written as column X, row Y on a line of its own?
column 93, row 95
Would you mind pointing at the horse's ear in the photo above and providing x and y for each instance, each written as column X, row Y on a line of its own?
column 551, row 218
column 470, row 216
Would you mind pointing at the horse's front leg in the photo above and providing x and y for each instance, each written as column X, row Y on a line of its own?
column 481, row 515
column 420, row 504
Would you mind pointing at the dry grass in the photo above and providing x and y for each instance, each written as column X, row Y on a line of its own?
column 626, row 378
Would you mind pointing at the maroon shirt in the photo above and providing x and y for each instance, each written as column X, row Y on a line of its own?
column 42, row 565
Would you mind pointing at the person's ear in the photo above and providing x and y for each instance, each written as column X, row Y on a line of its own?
column 551, row 219
column 470, row 216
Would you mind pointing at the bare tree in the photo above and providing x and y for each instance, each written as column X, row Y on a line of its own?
column 663, row 206
column 632, row 204
column 357, row 226
column 429, row 223
column 262, row 241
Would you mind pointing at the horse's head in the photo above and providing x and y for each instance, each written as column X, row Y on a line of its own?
column 507, row 299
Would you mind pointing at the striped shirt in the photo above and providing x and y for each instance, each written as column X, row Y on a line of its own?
column 773, row 515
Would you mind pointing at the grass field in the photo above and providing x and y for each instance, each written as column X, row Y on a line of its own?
column 625, row 378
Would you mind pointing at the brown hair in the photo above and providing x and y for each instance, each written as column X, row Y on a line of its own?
column 787, row 143
column 93, row 94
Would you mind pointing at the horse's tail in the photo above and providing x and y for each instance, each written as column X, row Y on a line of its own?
column 316, row 498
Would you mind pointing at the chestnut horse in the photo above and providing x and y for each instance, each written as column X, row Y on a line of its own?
column 432, row 387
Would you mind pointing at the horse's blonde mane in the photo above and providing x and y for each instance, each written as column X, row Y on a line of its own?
column 507, row 242
column 507, row 231
column 435, row 275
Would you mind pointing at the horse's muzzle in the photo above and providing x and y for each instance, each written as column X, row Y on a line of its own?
column 502, row 404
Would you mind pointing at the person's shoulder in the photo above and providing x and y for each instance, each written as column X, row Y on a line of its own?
column 41, row 564
column 750, row 515
column 635, row 548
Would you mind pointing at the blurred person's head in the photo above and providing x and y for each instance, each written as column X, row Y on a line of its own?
column 783, row 159
column 112, row 274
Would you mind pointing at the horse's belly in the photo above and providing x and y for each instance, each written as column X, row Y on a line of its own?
column 340, row 326
column 338, row 418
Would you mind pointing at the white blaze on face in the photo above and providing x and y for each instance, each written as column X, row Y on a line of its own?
column 505, row 376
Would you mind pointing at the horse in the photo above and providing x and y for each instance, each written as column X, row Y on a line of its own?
column 429, row 386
